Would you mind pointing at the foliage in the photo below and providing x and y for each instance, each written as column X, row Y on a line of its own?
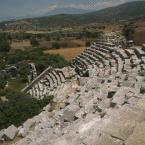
column 93, row 34
column 4, row 43
column 19, row 107
column 36, row 55
column 3, row 82
column 55, row 45
column 23, row 71
column 88, row 43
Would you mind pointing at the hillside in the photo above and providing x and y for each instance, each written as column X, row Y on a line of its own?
column 130, row 10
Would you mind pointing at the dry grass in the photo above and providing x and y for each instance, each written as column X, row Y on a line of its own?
column 70, row 43
column 20, row 44
column 37, row 32
column 68, row 53
column 111, row 27
column 139, row 35
column 79, row 42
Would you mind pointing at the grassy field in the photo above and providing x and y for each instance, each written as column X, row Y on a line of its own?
column 68, row 53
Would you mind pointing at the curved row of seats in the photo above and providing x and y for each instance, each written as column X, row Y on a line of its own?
column 105, row 55
column 45, row 84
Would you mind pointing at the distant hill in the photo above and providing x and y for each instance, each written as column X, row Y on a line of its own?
column 56, row 11
column 68, row 10
column 130, row 10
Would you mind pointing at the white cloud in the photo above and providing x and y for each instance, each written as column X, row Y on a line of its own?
column 93, row 4
column 52, row 7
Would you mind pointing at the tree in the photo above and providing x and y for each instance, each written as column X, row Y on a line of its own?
column 128, row 30
column 64, row 44
column 24, row 71
column 3, row 82
column 34, row 42
column 4, row 43
column 55, row 45
column 88, row 43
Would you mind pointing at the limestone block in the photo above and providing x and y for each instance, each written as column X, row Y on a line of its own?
column 10, row 133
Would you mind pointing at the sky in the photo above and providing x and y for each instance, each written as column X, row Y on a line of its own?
column 18, row 8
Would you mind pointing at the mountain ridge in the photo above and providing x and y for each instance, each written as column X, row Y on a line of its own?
column 126, row 11
column 68, row 10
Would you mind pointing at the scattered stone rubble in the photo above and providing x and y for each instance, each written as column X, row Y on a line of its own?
column 106, row 108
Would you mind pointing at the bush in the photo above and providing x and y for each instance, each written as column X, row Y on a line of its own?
column 23, row 71
column 19, row 108
column 3, row 82
column 55, row 45
column 88, row 43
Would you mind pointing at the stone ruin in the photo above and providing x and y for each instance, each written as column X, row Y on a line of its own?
column 12, row 72
column 98, row 100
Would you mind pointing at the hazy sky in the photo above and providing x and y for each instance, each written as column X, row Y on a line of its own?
column 38, row 7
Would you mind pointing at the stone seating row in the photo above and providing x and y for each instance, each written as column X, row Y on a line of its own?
column 118, row 60
column 43, row 85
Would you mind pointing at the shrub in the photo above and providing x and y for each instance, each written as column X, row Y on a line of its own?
column 3, row 82
column 88, row 43
column 55, row 45
column 19, row 108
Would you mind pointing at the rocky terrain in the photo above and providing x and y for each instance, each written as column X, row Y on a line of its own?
column 99, row 101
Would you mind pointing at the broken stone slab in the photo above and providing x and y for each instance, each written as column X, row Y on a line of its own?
column 141, row 104
column 10, row 133
column 62, row 105
column 82, row 81
column 128, row 83
column 69, row 112
column 80, row 114
column 101, row 139
column 29, row 123
column 133, row 100
column 90, row 107
column 122, row 95
column 47, row 108
column 1, row 135
column 68, row 115
column 103, row 92
column 120, row 129
column 104, row 104
column 142, row 89
column 138, row 135
column 137, row 87
column 127, row 112
column 22, row 132
column 25, row 128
